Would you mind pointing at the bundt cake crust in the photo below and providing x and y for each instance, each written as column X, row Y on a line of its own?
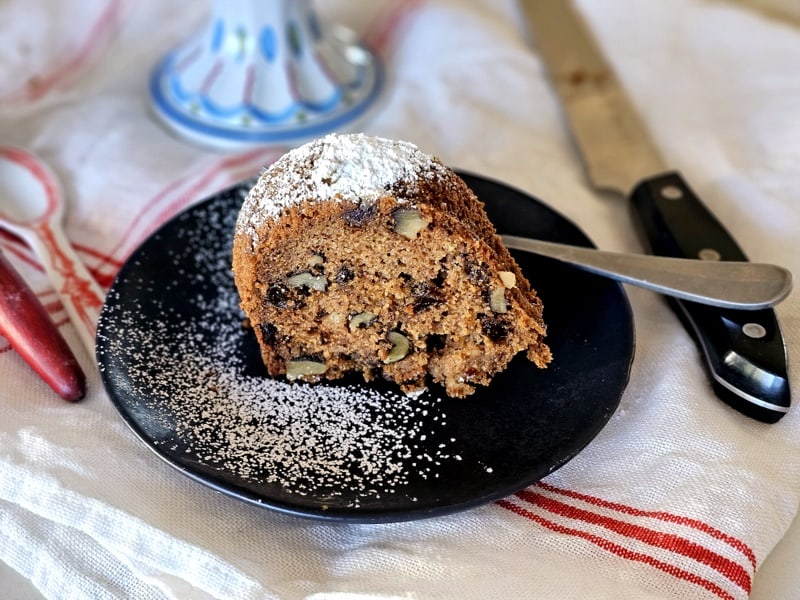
column 396, row 272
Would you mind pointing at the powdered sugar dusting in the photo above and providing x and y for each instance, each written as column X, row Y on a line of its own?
column 355, row 168
column 185, row 370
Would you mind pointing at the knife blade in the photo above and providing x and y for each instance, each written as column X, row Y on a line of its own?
column 744, row 351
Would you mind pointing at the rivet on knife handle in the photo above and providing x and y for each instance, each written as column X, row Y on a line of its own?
column 744, row 350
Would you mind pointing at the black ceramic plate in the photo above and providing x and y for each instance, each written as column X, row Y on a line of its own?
column 186, row 376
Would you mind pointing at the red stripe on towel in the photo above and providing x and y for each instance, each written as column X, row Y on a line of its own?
column 25, row 257
column 177, row 196
column 38, row 86
column 658, row 539
column 620, row 550
column 384, row 29
column 660, row 515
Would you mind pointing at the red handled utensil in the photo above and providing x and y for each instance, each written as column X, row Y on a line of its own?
column 24, row 322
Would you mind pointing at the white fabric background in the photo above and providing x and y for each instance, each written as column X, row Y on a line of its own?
column 87, row 511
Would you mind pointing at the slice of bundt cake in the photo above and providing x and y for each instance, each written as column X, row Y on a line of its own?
column 356, row 253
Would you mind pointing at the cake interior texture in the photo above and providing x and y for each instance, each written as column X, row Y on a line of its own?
column 361, row 254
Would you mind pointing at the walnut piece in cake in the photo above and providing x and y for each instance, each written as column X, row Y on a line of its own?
column 361, row 254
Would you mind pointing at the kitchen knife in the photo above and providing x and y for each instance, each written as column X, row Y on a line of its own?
column 744, row 350
column 27, row 327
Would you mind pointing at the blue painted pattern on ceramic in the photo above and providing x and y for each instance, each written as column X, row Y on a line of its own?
column 269, row 47
column 217, row 35
column 286, row 128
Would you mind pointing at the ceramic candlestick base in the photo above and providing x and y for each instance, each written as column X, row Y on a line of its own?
column 265, row 72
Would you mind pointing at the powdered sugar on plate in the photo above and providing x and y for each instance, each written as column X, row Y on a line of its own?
column 181, row 368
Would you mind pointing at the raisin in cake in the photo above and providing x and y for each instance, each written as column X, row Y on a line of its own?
column 356, row 253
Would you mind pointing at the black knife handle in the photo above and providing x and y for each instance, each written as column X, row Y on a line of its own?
column 744, row 350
